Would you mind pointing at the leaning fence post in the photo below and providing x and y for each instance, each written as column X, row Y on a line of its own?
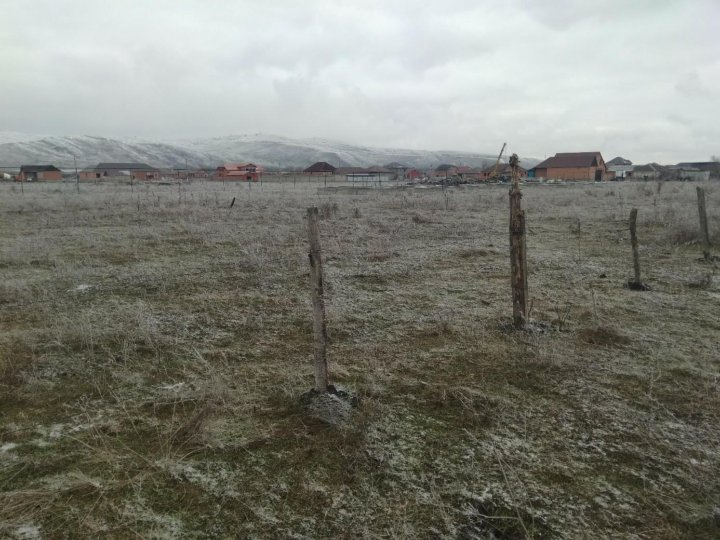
column 704, row 234
column 636, row 283
column 316, row 287
column 518, row 259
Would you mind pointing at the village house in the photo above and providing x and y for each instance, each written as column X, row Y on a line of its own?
column 572, row 166
column 651, row 171
column 685, row 172
column 398, row 169
column 32, row 173
column 381, row 172
column 238, row 171
column 136, row 171
column 713, row 167
column 469, row 173
column 619, row 168
column 445, row 170
column 503, row 172
column 371, row 174
column 412, row 174
column 321, row 168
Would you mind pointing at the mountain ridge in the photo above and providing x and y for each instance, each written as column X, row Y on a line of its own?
column 270, row 151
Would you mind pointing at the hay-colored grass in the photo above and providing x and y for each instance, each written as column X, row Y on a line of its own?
column 155, row 343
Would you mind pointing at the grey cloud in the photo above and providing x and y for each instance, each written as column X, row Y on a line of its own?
column 631, row 78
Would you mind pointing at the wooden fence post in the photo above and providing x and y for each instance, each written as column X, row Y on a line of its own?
column 634, row 244
column 317, row 291
column 518, row 259
column 636, row 283
column 704, row 234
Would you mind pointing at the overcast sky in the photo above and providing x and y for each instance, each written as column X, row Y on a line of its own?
column 637, row 78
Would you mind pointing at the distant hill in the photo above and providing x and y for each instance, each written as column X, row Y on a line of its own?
column 273, row 152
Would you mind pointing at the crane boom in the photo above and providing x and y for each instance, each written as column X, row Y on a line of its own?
column 497, row 163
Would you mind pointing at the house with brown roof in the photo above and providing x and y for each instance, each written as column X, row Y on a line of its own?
column 445, row 170
column 238, row 171
column 321, row 168
column 32, row 173
column 572, row 166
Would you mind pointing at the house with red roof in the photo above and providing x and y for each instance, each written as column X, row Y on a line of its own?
column 248, row 172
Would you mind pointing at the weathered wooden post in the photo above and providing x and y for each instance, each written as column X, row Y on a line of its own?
column 704, row 234
column 634, row 243
column 636, row 283
column 518, row 259
column 317, row 291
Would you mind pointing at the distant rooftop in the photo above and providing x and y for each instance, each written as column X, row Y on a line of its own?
column 444, row 167
column 38, row 168
column 123, row 167
column 618, row 161
column 320, row 167
column 570, row 160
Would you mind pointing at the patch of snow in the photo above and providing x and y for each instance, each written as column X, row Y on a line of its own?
column 16, row 137
column 83, row 288
column 172, row 387
column 28, row 532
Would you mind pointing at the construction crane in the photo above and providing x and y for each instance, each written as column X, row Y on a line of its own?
column 493, row 176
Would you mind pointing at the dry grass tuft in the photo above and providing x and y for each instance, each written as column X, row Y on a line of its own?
column 15, row 357
column 420, row 219
column 684, row 234
column 328, row 210
column 605, row 336
column 190, row 432
column 704, row 281
column 474, row 252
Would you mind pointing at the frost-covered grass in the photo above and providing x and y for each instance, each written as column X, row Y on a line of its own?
column 154, row 344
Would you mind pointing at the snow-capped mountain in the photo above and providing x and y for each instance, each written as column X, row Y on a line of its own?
column 272, row 152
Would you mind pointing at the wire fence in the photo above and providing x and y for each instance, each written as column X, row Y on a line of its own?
column 259, row 261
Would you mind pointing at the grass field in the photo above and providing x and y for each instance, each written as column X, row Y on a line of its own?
column 154, row 344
